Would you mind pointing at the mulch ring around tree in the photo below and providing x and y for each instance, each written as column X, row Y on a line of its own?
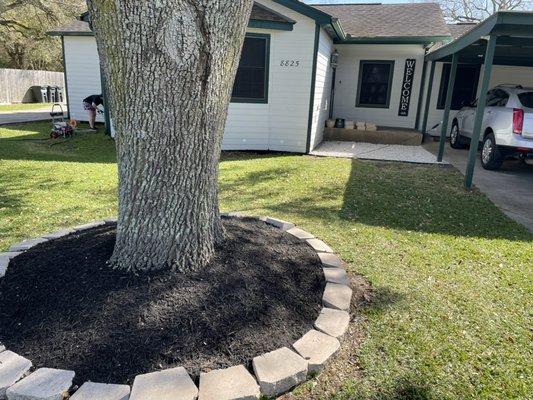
column 62, row 307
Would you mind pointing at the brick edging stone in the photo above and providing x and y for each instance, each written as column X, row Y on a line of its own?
column 274, row 373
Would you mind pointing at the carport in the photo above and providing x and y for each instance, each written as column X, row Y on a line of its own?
column 505, row 38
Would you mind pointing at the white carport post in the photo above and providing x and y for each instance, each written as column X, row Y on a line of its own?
column 480, row 111
column 449, row 96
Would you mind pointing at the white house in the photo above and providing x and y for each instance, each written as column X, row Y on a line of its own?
column 286, row 88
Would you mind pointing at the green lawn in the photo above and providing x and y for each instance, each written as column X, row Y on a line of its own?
column 450, row 313
column 24, row 107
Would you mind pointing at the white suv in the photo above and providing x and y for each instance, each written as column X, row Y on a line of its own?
column 507, row 128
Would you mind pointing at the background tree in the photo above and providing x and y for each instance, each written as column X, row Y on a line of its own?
column 24, row 43
column 478, row 10
column 170, row 67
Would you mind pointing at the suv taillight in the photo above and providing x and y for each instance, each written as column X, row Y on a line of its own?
column 518, row 120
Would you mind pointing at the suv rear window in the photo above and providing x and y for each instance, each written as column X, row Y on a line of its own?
column 526, row 99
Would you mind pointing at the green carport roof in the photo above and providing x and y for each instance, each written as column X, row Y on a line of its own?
column 514, row 45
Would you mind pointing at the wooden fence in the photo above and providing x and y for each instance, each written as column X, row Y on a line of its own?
column 15, row 84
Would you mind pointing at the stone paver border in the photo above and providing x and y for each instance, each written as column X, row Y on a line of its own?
column 274, row 377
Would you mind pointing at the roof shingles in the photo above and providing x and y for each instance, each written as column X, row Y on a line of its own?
column 389, row 20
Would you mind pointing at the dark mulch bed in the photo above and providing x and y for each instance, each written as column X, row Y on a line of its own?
column 62, row 307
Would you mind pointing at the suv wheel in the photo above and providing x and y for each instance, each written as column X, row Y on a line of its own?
column 456, row 140
column 491, row 157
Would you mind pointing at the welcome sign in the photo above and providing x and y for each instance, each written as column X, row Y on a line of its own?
column 407, row 87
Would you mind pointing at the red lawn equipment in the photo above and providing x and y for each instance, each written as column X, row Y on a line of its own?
column 60, row 127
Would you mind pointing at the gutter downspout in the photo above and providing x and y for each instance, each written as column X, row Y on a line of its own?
column 332, row 94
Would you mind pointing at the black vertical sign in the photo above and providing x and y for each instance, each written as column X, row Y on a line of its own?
column 407, row 87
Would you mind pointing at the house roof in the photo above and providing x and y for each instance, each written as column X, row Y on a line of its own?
column 349, row 23
column 260, row 13
column 389, row 20
column 263, row 13
column 460, row 29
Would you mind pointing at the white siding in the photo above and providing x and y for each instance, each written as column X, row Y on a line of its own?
column 279, row 125
column 82, row 72
column 500, row 74
column 322, row 96
column 282, row 123
column 347, row 80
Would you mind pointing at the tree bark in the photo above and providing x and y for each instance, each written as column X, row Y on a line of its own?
column 169, row 66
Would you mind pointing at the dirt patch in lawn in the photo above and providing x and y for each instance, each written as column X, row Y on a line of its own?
column 61, row 306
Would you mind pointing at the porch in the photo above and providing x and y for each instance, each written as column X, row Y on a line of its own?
column 383, row 135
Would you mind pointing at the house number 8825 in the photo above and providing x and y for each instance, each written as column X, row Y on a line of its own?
column 290, row 63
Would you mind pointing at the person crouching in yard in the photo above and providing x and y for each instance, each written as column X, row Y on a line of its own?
column 90, row 104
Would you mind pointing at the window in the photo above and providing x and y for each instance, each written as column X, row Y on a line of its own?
column 497, row 98
column 375, row 82
column 251, row 81
column 465, row 88
column 526, row 99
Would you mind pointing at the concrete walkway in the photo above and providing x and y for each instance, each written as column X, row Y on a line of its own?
column 371, row 151
column 16, row 117
column 510, row 188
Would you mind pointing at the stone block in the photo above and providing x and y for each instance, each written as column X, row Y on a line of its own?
column 90, row 225
column 336, row 275
column 170, row 384
column 234, row 383
column 10, row 254
column 232, row 215
column 333, row 322
column 5, row 259
column 101, row 391
column 317, row 348
column 279, row 371
column 330, row 260
column 43, row 384
column 4, row 263
column 27, row 244
column 279, row 223
column 110, row 220
column 319, row 246
column 337, row 296
column 58, row 234
column 12, row 368
column 2, row 348
column 300, row 233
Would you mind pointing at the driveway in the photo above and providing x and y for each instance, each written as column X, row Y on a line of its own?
column 16, row 117
column 510, row 188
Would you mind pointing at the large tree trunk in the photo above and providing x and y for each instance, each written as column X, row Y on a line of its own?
column 169, row 67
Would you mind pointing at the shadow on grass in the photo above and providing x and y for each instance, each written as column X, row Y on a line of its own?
column 422, row 199
column 407, row 197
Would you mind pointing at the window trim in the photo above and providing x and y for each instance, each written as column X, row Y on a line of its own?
column 360, row 78
column 440, row 106
column 263, row 100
